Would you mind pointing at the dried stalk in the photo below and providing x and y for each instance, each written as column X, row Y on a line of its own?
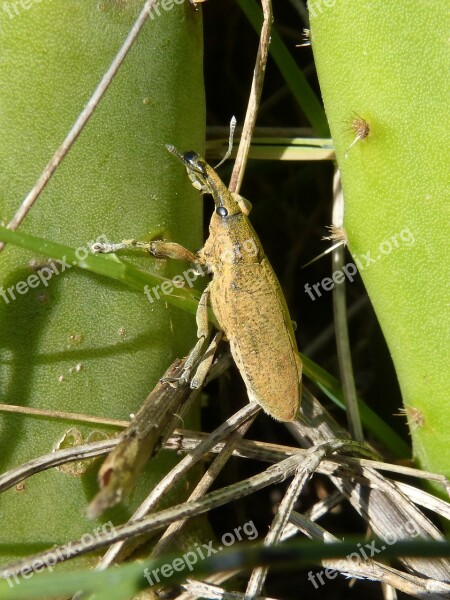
column 254, row 98
column 180, row 470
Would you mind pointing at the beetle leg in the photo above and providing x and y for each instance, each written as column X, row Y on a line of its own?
column 106, row 248
column 202, row 334
column 161, row 249
column 206, row 362
column 158, row 248
column 244, row 204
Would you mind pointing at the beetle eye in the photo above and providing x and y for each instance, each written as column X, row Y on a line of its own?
column 194, row 162
column 222, row 211
column 191, row 158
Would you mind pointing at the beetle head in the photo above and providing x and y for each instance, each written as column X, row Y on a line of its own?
column 195, row 167
column 206, row 180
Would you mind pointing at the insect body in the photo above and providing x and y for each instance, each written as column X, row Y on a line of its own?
column 246, row 298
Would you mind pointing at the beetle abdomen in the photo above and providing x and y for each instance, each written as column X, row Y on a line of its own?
column 250, row 308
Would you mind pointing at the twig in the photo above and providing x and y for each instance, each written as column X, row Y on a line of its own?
column 54, row 459
column 425, row 499
column 205, row 483
column 285, row 468
column 304, row 471
column 386, row 509
column 201, row 589
column 81, row 121
column 185, row 441
column 254, row 98
column 58, row 414
column 272, row 475
column 180, row 470
column 59, row 457
column 147, row 432
column 369, row 569
column 317, row 511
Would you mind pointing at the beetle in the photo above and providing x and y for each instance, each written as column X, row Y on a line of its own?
column 245, row 296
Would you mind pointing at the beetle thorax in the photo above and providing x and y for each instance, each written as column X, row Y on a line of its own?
column 232, row 241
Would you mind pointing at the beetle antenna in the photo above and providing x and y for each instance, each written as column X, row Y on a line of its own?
column 230, row 142
column 175, row 152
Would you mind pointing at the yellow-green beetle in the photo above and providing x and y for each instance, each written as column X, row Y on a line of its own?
column 246, row 298
column 245, row 294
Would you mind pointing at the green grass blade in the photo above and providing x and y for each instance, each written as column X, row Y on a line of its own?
column 127, row 579
column 108, row 265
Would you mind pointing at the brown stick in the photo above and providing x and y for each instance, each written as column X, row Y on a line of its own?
column 254, row 99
